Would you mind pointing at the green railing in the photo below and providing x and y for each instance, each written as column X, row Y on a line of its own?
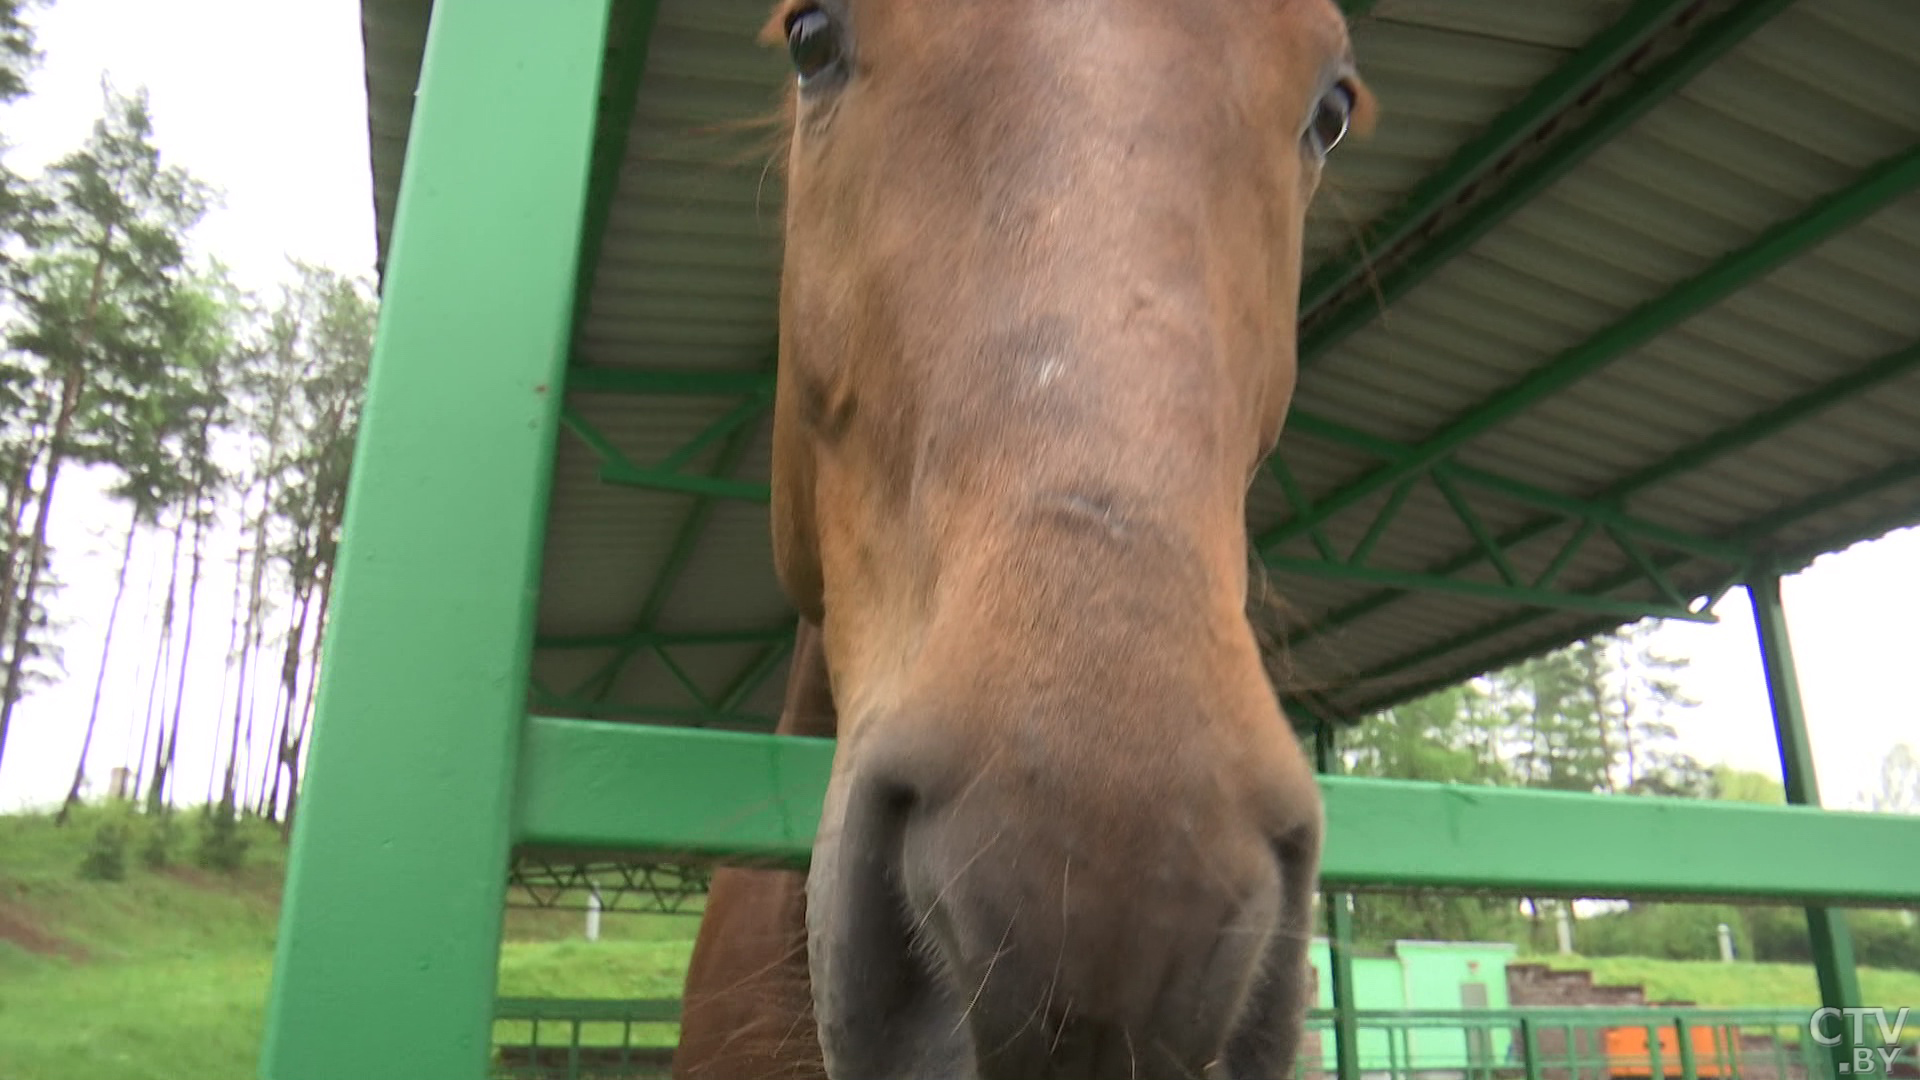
column 577, row 1039
column 1573, row 1043
column 558, row 1039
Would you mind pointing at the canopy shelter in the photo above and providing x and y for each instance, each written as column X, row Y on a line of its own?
column 1630, row 308
column 1616, row 311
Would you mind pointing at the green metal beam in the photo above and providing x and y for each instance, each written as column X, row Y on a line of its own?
column 756, row 675
column 1889, row 367
column 1727, row 440
column 605, row 379
column 614, row 120
column 1603, row 509
column 1894, row 475
column 379, row 965
column 711, row 794
column 657, row 639
column 1482, row 155
column 1493, row 592
column 617, row 468
column 1833, row 957
column 1884, row 182
column 686, row 539
column 713, row 487
column 727, row 796
column 1900, row 472
column 1613, row 117
column 1339, row 911
column 682, row 715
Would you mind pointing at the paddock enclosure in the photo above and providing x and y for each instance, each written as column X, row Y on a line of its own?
column 1637, row 323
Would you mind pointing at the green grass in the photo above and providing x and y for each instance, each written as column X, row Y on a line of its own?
column 163, row 975
column 1715, row 985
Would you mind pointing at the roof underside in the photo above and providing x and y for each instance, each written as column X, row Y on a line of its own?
column 1651, row 321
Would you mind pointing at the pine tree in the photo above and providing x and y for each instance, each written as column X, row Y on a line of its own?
column 104, row 250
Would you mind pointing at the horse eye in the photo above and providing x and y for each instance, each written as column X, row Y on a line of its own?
column 812, row 42
column 1330, row 119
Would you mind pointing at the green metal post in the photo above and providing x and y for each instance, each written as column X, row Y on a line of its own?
column 1832, row 941
column 389, row 938
column 1346, row 1028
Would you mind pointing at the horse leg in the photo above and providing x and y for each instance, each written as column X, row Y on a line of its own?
column 747, row 1011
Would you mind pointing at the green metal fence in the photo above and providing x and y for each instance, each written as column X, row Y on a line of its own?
column 1574, row 1043
column 583, row 1039
column 559, row 1039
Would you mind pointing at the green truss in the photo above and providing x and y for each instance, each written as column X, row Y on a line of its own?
column 1694, row 456
column 1886, row 181
column 589, row 697
column 1590, row 68
column 1331, row 314
column 1628, row 531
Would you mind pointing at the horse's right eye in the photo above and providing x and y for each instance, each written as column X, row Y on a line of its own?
column 1330, row 119
column 813, row 42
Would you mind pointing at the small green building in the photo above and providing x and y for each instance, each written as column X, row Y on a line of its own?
column 1421, row 976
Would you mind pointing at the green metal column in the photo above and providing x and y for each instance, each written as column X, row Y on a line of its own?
column 1339, row 905
column 1832, row 941
column 389, row 938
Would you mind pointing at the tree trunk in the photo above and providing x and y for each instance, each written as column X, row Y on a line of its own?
column 250, row 636
column 100, row 680
column 288, row 696
column 157, row 709
column 71, row 385
column 159, row 799
column 19, row 492
column 18, row 489
column 225, row 789
column 134, row 716
column 36, row 548
column 306, row 709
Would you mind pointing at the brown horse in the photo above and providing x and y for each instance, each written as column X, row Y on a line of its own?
column 1042, row 260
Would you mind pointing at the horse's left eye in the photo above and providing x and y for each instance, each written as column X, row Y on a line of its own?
column 1330, row 119
column 813, row 42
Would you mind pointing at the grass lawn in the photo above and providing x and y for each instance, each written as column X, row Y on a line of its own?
column 1732, row 985
column 163, row 975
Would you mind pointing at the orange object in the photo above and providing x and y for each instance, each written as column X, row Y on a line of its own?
column 1628, row 1056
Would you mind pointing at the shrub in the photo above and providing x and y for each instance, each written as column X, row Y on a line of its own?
column 222, row 846
column 157, row 853
column 106, row 858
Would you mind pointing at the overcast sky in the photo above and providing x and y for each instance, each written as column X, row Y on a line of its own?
column 266, row 100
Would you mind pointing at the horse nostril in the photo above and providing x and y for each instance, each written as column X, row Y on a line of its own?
column 881, row 1008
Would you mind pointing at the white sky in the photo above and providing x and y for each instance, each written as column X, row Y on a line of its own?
column 266, row 100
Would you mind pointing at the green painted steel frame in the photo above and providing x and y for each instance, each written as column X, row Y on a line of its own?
column 1833, row 957
column 1885, row 181
column 754, row 389
column 1696, row 455
column 725, row 795
column 1480, row 156
column 1900, row 472
column 418, row 730
column 1339, row 914
column 1336, row 323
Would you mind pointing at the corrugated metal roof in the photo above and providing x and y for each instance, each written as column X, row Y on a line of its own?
column 688, row 275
